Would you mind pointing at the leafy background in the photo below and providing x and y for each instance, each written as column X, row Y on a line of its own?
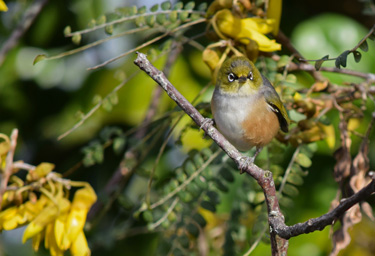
column 45, row 100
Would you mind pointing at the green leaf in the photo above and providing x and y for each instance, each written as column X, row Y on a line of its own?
column 107, row 105
column 98, row 153
column 206, row 153
column 173, row 16
column 190, row 5
column 193, row 188
column 38, row 58
column 147, row 216
column 286, row 202
column 195, row 16
column 161, row 18
column 283, row 61
column 178, row 6
column 97, row 98
column 101, row 20
column 200, row 220
column 192, row 229
column 189, row 167
column 341, row 60
column 142, row 10
column 357, row 56
column 294, row 179
column 92, row 23
column 319, row 63
column 226, row 174
column 290, row 78
column 67, row 30
column 201, row 182
column 372, row 37
column 76, row 39
column 184, row 241
column 290, row 190
column 166, row 5
column 198, row 160
column 258, row 198
column 109, row 29
column 150, row 20
column 208, row 206
column 297, row 169
column 154, row 8
column 364, row 46
column 220, row 185
column 140, row 21
column 119, row 144
column 180, row 175
column 113, row 98
column 202, row 7
column 183, row 16
column 213, row 196
column 185, row 196
column 303, row 160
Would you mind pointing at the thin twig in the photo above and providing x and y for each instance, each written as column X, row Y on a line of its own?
column 165, row 216
column 255, row 244
column 155, row 39
column 28, row 19
column 186, row 182
column 124, row 19
column 288, row 169
column 309, row 67
column 96, row 107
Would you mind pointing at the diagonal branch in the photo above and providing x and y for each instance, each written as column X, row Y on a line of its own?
column 264, row 178
column 279, row 232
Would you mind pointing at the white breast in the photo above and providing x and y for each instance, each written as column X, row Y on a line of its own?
column 229, row 113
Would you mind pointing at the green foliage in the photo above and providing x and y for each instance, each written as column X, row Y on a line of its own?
column 94, row 152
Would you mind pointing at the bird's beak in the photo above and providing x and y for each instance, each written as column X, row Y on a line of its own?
column 242, row 79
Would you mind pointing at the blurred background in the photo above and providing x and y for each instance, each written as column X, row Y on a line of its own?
column 45, row 100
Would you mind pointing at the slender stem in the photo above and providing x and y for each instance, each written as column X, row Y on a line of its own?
column 288, row 169
column 186, row 182
column 127, row 19
column 165, row 216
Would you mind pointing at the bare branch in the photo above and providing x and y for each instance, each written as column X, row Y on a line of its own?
column 327, row 219
column 264, row 178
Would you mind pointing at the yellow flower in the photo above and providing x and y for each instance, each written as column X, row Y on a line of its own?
column 9, row 218
column 247, row 29
column 45, row 217
column 3, row 6
column 274, row 12
column 82, row 202
column 79, row 246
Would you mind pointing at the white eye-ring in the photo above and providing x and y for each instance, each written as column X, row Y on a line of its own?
column 250, row 76
column 231, row 77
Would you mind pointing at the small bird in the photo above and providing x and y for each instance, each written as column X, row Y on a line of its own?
column 246, row 108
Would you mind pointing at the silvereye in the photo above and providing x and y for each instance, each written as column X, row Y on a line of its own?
column 246, row 108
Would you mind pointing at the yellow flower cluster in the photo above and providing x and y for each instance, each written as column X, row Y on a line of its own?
column 247, row 29
column 242, row 29
column 3, row 6
column 51, row 216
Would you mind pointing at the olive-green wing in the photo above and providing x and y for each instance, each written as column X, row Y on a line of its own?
column 274, row 101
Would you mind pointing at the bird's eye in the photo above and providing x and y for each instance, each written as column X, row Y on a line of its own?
column 231, row 77
column 250, row 76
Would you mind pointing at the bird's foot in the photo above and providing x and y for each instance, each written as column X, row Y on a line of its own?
column 207, row 122
column 245, row 162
